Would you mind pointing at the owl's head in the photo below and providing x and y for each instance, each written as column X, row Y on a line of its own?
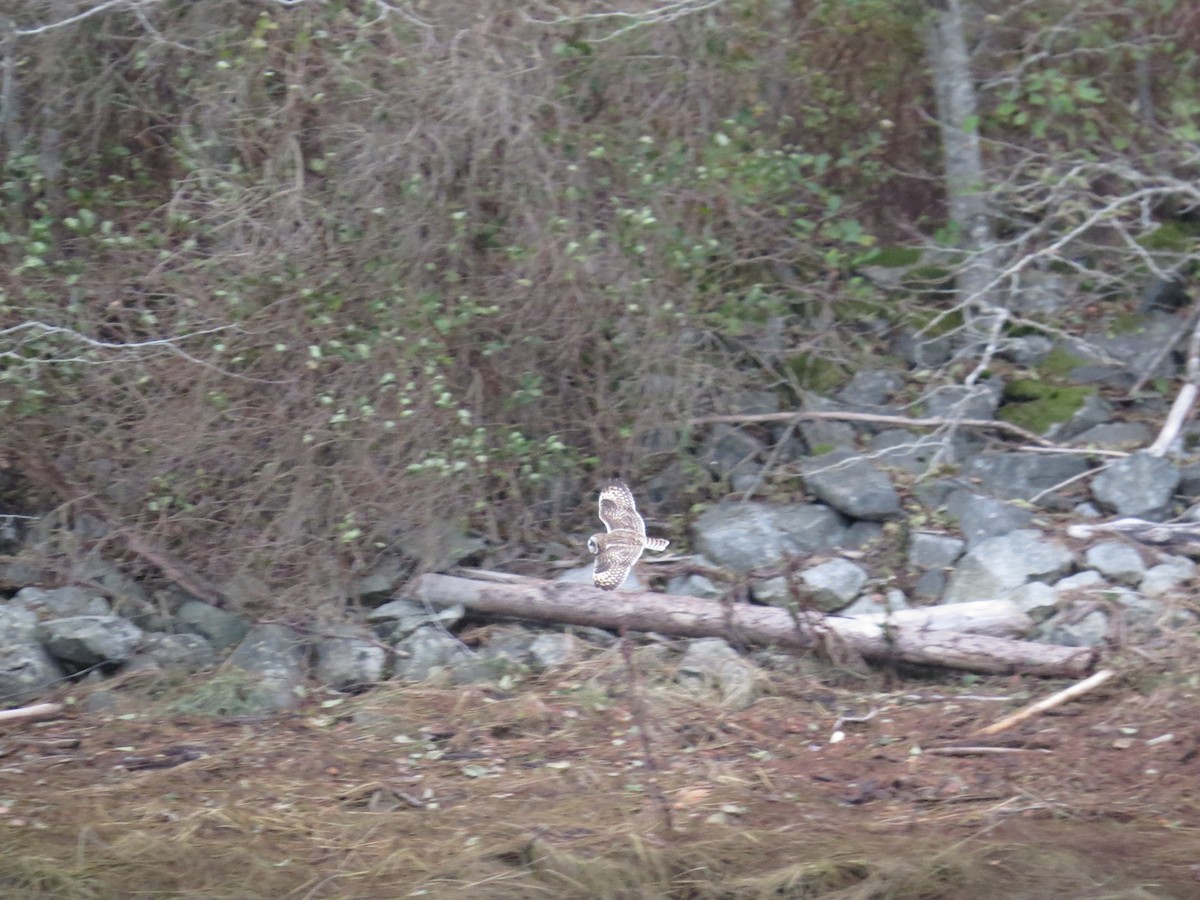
column 595, row 543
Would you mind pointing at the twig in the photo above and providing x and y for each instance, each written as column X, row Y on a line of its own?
column 903, row 421
column 1047, row 703
column 981, row 751
column 36, row 711
column 1184, row 400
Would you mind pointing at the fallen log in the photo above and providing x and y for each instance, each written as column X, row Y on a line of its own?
column 915, row 636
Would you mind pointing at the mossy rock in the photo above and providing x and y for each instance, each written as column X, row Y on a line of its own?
column 816, row 374
column 1059, row 363
column 1037, row 405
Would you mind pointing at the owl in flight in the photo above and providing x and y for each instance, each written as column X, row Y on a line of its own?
column 619, row 549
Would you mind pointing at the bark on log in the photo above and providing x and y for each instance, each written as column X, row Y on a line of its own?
column 911, row 636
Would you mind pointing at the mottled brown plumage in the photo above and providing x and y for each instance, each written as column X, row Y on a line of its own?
column 617, row 550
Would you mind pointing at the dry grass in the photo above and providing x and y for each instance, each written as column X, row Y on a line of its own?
column 457, row 792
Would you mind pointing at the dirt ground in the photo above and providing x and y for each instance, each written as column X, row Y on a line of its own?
column 827, row 786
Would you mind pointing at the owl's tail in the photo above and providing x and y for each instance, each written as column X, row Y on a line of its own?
column 656, row 543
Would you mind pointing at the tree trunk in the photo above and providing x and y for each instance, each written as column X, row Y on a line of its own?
column 916, row 636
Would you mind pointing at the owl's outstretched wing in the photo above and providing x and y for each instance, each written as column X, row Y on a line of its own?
column 618, row 511
column 613, row 564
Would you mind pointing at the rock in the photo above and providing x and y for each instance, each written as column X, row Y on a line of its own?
column 27, row 672
column 61, row 602
column 553, row 651
column 923, row 351
column 387, row 572
column 85, row 641
column 714, row 663
column 1068, row 629
column 1116, row 561
column 994, row 568
column 930, row 586
column 871, row 388
column 1028, row 351
column 1140, row 485
column 745, row 536
column 1093, row 411
column 273, row 657
column 927, row 550
column 427, row 651
column 18, row 625
column 349, row 660
column 980, row 517
column 188, row 652
column 729, row 451
column 695, row 585
column 220, row 628
column 861, row 534
column 507, row 648
column 875, row 604
column 1023, row 475
column 399, row 618
column 834, row 584
column 1189, row 480
column 852, row 485
column 958, row 401
column 904, row 450
column 1167, row 577
column 1114, row 436
column 1036, row 599
column 823, row 435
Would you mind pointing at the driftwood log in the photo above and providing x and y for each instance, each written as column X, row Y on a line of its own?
column 975, row 637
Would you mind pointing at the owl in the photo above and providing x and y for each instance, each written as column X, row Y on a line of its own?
column 619, row 549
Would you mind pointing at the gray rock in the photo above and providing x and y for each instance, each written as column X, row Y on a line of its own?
column 1029, row 350
column 835, row 583
column 84, row 641
column 1093, row 411
column 871, row 388
column 389, row 571
column 958, row 401
column 18, row 625
column 507, row 648
column 827, row 434
column 27, row 672
column 861, row 534
column 1189, row 480
column 61, row 602
column 1114, row 436
column 923, row 351
column 930, row 586
column 927, row 550
column 852, row 485
column 1022, row 475
column 220, row 628
column 553, row 651
column 1116, row 561
column 428, row 651
column 1036, row 599
column 1140, row 485
column 877, row 604
column 1072, row 630
column 1167, row 577
column 273, row 657
column 398, row 618
column 996, row 567
column 349, row 660
column 188, row 652
column 745, row 536
column 980, row 517
column 728, row 450
column 694, row 585
column 904, row 450
column 712, row 662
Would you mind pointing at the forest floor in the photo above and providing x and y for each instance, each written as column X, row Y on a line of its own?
column 542, row 790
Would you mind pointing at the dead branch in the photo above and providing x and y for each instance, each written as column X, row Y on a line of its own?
column 908, row 636
column 36, row 711
column 1047, row 703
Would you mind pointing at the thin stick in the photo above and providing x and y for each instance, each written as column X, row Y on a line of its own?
column 981, row 751
column 36, row 711
column 639, row 719
column 1046, row 703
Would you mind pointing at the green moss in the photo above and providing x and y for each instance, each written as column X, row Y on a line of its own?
column 1174, row 236
column 893, row 257
column 1036, row 405
column 1059, row 363
column 816, row 374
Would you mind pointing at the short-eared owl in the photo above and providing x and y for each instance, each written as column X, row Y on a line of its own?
column 619, row 549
